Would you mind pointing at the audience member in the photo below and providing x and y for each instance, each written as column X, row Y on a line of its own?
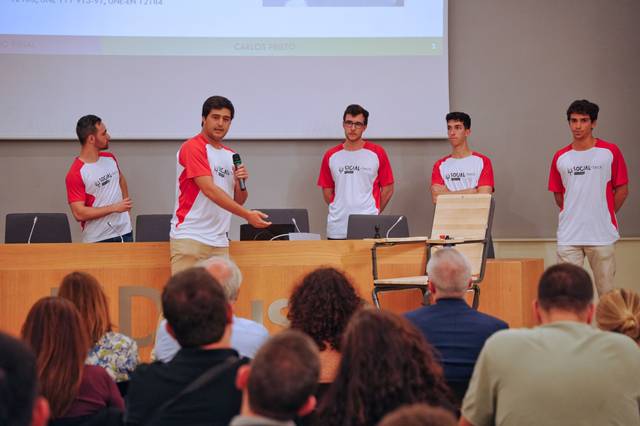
column 385, row 363
column 246, row 336
column 563, row 372
column 54, row 332
column 321, row 306
column 20, row 404
column 619, row 311
column 455, row 330
column 115, row 352
column 198, row 385
column 419, row 415
column 281, row 381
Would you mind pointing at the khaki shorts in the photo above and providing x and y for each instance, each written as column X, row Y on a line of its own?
column 185, row 253
column 601, row 259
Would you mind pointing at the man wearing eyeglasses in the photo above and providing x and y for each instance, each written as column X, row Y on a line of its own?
column 355, row 176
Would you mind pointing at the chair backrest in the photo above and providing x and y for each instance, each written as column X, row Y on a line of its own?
column 364, row 226
column 43, row 228
column 284, row 216
column 465, row 216
column 153, row 227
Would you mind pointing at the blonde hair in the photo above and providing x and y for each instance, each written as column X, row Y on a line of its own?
column 619, row 311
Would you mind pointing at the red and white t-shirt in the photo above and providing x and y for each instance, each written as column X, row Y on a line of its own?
column 356, row 177
column 458, row 174
column 587, row 180
column 197, row 217
column 98, row 185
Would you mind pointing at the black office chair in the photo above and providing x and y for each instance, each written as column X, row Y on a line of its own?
column 285, row 216
column 361, row 226
column 23, row 228
column 153, row 227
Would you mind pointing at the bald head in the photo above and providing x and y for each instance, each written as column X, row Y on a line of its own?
column 226, row 272
column 450, row 272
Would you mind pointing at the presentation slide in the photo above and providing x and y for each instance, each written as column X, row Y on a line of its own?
column 289, row 66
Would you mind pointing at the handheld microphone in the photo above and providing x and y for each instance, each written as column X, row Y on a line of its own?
column 393, row 226
column 293, row 219
column 114, row 230
column 237, row 162
column 35, row 219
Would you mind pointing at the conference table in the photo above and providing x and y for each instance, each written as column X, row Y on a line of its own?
column 133, row 275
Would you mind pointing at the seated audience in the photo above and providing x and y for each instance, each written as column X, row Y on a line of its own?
column 279, row 384
column 563, row 372
column 321, row 306
column 419, row 415
column 54, row 332
column 198, row 385
column 386, row 363
column 20, row 404
column 246, row 336
column 455, row 330
column 619, row 311
column 115, row 352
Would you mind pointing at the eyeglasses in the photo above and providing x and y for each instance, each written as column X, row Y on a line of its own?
column 357, row 124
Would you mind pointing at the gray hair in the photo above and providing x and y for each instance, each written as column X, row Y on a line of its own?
column 231, row 285
column 449, row 271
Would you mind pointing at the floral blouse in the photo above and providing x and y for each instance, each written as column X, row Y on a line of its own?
column 116, row 353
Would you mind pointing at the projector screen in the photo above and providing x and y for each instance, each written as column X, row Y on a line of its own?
column 289, row 66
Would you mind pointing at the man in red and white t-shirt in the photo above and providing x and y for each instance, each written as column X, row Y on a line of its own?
column 96, row 188
column 355, row 176
column 463, row 171
column 208, row 191
column 589, row 181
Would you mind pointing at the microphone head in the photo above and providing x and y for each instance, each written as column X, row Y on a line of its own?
column 236, row 159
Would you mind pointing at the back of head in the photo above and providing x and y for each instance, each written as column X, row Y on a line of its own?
column 54, row 332
column 450, row 272
column 619, row 311
column 462, row 117
column 18, row 382
column 419, row 415
column 565, row 287
column 86, row 293
column 583, row 106
column 195, row 307
column 217, row 102
column 386, row 362
column 321, row 306
column 87, row 126
column 284, row 374
column 226, row 272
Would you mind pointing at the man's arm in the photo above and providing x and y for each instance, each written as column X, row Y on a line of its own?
column 559, row 197
column 438, row 189
column 240, row 196
column 218, row 196
column 327, row 194
column 123, row 186
column 83, row 213
column 620, row 194
column 385, row 195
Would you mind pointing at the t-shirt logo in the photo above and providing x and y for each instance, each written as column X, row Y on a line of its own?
column 581, row 170
column 221, row 171
column 349, row 169
column 456, row 176
column 104, row 180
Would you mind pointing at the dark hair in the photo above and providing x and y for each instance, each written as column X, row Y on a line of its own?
column 87, row 126
column 217, row 102
column 284, row 374
column 583, row 106
column 386, row 363
column 321, row 306
column 54, row 332
column 419, row 415
column 195, row 306
column 355, row 109
column 86, row 293
column 463, row 117
column 566, row 287
column 18, row 382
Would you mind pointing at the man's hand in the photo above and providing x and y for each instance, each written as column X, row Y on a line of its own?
column 123, row 206
column 256, row 219
column 241, row 172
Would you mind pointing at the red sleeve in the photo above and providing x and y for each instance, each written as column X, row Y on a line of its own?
column 555, row 180
column 385, row 173
column 193, row 157
column 436, row 177
column 619, row 174
column 486, row 176
column 75, row 185
column 325, row 180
